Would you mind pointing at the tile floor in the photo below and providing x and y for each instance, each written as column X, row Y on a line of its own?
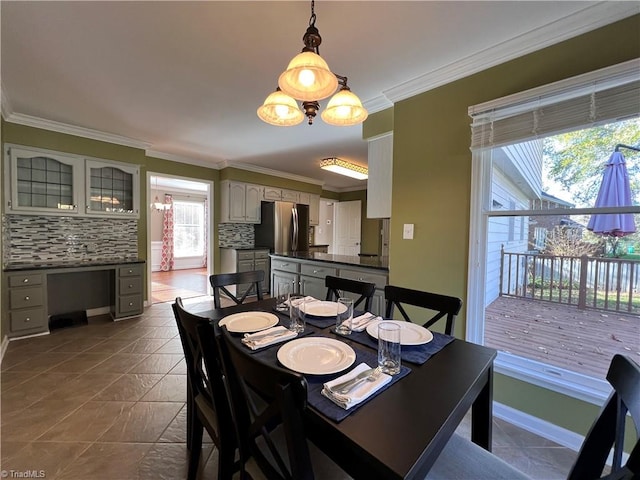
column 107, row 401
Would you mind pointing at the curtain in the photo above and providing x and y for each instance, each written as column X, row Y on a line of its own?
column 166, row 263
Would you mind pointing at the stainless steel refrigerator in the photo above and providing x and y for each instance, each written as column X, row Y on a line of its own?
column 284, row 227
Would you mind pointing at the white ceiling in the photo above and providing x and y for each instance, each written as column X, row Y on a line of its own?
column 184, row 79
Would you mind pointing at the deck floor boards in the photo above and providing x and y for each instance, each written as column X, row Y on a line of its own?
column 583, row 341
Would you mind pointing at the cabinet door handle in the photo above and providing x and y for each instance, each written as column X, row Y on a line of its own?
column 130, row 271
column 131, row 304
column 284, row 265
column 28, row 319
column 26, row 280
column 27, row 297
column 130, row 286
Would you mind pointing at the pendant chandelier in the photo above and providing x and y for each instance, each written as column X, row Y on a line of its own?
column 308, row 79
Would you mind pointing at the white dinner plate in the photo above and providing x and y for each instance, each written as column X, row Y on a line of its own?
column 247, row 322
column 410, row 333
column 316, row 355
column 321, row 308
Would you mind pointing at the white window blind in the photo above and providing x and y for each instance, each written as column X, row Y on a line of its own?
column 596, row 98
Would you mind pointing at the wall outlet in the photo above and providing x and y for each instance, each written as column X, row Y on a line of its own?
column 407, row 231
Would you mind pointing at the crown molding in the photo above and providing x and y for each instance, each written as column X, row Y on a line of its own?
column 378, row 104
column 268, row 171
column 586, row 20
column 214, row 164
column 6, row 104
column 65, row 128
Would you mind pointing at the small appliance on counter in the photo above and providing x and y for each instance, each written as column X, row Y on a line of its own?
column 284, row 227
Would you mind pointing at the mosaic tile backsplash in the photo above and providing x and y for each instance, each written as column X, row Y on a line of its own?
column 236, row 235
column 30, row 239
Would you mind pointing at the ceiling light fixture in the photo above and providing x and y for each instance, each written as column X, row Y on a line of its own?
column 352, row 170
column 308, row 79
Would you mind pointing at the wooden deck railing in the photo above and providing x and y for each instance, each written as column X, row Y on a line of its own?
column 610, row 284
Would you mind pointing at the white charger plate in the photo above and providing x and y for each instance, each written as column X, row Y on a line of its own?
column 316, row 355
column 322, row 308
column 410, row 333
column 248, row 322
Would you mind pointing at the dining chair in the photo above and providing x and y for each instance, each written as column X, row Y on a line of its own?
column 207, row 404
column 251, row 280
column 443, row 305
column 268, row 404
column 462, row 458
column 336, row 285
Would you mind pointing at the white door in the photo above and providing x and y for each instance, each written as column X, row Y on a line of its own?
column 346, row 231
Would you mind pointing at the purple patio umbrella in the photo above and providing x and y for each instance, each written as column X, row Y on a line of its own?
column 614, row 192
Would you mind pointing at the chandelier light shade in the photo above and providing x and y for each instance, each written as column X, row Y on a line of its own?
column 308, row 79
column 344, row 109
column 281, row 110
column 342, row 167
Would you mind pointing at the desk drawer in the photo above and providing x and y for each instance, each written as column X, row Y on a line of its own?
column 245, row 255
column 130, row 285
column 285, row 265
column 317, row 271
column 132, row 271
column 262, row 254
column 26, row 297
column 129, row 304
column 28, row 319
column 26, row 279
column 379, row 280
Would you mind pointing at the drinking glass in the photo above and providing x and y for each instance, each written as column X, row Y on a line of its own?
column 283, row 290
column 296, row 313
column 344, row 316
column 389, row 347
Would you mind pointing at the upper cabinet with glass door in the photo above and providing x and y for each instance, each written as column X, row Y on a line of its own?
column 112, row 189
column 43, row 182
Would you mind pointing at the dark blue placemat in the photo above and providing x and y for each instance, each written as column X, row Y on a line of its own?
column 410, row 353
column 330, row 409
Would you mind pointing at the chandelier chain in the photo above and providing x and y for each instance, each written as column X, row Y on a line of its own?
column 312, row 19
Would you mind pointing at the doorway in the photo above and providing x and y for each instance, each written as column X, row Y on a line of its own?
column 347, row 231
column 179, row 236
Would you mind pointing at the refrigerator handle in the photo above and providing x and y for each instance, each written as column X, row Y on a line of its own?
column 294, row 234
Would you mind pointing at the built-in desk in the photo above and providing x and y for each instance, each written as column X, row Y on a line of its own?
column 32, row 293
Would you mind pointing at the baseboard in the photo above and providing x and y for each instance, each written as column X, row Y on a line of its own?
column 94, row 312
column 540, row 427
column 3, row 347
column 544, row 429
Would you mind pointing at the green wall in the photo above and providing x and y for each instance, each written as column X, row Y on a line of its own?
column 432, row 179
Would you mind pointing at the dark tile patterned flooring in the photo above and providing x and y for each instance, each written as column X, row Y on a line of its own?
column 107, row 401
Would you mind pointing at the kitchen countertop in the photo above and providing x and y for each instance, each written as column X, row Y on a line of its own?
column 247, row 248
column 74, row 263
column 380, row 263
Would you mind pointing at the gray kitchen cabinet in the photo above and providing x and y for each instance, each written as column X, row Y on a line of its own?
column 240, row 202
column 26, row 298
column 363, row 275
column 244, row 260
column 312, row 279
column 128, row 292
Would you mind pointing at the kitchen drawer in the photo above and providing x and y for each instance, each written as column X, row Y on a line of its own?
column 130, row 285
column 26, row 297
column 28, row 319
column 26, row 279
column 130, row 304
column 261, row 254
column 245, row 255
column 361, row 276
column 285, row 265
column 132, row 271
column 317, row 270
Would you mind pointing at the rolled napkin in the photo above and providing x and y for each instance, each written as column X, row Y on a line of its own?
column 360, row 393
column 358, row 324
column 267, row 337
column 298, row 301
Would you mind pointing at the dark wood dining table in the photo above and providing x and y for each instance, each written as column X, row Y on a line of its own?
column 399, row 433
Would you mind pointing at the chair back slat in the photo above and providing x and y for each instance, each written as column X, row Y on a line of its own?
column 442, row 305
column 336, row 286
column 220, row 281
column 608, row 429
column 267, row 400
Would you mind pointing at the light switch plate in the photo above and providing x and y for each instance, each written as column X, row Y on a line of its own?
column 407, row 231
